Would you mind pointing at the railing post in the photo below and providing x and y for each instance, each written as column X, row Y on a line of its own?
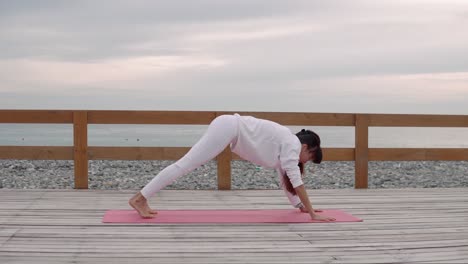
column 80, row 148
column 361, row 151
column 224, row 169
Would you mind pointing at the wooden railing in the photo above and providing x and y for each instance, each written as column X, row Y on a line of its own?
column 81, row 153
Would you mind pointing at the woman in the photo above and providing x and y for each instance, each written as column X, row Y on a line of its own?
column 260, row 141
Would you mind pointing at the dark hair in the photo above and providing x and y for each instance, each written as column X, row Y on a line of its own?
column 313, row 144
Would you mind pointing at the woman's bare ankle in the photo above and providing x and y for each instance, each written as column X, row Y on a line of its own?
column 140, row 204
column 138, row 197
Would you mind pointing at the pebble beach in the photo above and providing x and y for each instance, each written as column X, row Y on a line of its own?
column 122, row 175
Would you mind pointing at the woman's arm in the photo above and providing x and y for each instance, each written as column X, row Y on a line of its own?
column 302, row 193
column 293, row 199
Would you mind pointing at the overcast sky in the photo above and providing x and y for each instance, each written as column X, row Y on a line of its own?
column 408, row 56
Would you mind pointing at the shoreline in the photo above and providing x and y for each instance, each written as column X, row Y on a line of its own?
column 133, row 175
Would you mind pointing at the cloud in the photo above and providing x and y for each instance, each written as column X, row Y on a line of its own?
column 391, row 90
column 108, row 74
column 238, row 54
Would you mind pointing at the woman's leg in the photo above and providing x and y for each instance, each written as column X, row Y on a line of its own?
column 220, row 133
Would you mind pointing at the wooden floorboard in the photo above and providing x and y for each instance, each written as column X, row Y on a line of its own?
column 400, row 226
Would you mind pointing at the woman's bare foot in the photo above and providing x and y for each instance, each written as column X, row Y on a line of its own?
column 140, row 204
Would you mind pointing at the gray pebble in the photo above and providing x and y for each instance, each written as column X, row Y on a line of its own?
column 118, row 175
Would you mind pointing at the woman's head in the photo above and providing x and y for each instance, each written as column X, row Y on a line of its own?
column 311, row 149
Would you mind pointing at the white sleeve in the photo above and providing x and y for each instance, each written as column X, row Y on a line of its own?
column 289, row 158
column 293, row 199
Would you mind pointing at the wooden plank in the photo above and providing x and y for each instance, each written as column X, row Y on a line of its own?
column 361, row 151
column 267, row 245
column 150, row 117
column 329, row 154
column 80, row 152
column 401, row 120
column 205, row 117
column 36, row 152
column 298, row 119
column 224, row 169
column 338, row 154
column 36, row 116
column 175, row 153
column 136, row 153
column 418, row 154
column 400, row 226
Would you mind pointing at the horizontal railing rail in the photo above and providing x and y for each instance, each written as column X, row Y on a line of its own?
column 361, row 154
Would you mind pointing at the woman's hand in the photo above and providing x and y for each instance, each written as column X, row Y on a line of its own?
column 307, row 206
column 322, row 218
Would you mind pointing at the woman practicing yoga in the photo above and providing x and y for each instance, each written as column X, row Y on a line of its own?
column 260, row 141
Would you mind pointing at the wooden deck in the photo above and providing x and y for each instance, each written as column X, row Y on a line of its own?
column 400, row 226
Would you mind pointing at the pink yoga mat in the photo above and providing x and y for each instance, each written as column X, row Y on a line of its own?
column 224, row 216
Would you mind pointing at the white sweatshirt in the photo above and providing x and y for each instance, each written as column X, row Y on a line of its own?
column 270, row 145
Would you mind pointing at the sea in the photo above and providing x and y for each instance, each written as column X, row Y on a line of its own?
column 188, row 135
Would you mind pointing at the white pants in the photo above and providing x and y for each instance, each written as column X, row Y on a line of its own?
column 221, row 132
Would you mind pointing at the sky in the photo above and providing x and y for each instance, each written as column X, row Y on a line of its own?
column 408, row 56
